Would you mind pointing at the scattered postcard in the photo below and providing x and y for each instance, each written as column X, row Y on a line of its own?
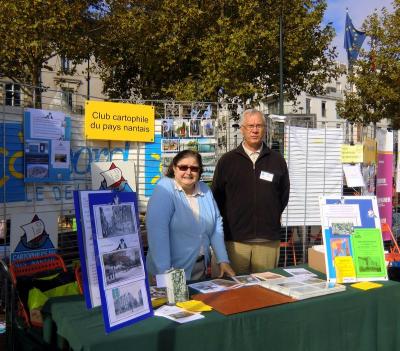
column 267, row 276
column 206, row 287
column 246, row 279
column 227, row 284
column 297, row 272
column 177, row 314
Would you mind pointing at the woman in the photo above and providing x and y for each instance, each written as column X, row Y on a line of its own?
column 183, row 221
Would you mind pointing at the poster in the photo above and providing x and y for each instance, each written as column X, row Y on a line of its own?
column 47, row 146
column 86, row 248
column 367, row 254
column 347, row 222
column 115, row 175
column 124, row 289
column 33, row 234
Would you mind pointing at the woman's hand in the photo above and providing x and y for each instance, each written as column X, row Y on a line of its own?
column 225, row 268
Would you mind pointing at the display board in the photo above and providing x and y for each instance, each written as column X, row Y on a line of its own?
column 124, row 288
column 86, row 248
column 47, row 146
column 351, row 232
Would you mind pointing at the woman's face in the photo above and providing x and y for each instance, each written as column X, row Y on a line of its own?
column 187, row 172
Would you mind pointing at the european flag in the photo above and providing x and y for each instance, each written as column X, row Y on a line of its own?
column 353, row 40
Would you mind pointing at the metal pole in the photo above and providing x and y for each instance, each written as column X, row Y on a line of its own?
column 88, row 78
column 281, row 112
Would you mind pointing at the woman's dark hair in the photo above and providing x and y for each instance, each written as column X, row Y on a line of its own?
column 179, row 156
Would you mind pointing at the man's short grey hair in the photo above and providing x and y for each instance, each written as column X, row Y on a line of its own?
column 251, row 111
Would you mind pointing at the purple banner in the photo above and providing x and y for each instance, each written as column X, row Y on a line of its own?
column 384, row 189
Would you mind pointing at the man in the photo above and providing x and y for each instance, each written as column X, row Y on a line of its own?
column 251, row 187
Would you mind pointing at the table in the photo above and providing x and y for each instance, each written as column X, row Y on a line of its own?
column 352, row 320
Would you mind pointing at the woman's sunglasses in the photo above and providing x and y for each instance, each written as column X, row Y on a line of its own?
column 184, row 168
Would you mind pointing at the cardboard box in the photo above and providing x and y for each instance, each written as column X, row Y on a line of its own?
column 316, row 258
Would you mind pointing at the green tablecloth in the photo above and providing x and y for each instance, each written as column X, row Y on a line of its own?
column 352, row 320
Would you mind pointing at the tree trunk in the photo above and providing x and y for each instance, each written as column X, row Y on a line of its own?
column 36, row 98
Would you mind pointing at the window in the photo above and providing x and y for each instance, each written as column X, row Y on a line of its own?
column 65, row 64
column 323, row 108
column 308, row 106
column 67, row 94
column 339, row 87
column 13, row 94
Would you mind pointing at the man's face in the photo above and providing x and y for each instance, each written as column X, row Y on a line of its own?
column 253, row 130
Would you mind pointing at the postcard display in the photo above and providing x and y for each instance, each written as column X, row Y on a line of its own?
column 351, row 232
column 194, row 133
column 47, row 145
column 123, row 289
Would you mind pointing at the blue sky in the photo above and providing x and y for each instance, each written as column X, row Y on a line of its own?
column 358, row 11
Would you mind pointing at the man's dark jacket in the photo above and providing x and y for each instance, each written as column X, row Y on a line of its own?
column 251, row 207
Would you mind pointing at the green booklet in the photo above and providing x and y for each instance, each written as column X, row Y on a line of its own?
column 368, row 254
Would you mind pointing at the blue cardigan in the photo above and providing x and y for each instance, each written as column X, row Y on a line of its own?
column 175, row 236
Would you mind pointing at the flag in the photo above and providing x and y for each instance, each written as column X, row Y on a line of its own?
column 353, row 40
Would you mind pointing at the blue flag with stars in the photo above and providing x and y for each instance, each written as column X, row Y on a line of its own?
column 353, row 40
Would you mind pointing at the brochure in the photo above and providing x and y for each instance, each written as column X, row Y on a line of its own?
column 368, row 259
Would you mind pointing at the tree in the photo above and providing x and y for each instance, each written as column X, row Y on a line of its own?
column 376, row 76
column 189, row 49
column 33, row 31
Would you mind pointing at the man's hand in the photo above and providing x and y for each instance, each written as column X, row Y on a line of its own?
column 225, row 268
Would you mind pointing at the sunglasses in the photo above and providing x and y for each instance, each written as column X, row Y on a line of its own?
column 184, row 168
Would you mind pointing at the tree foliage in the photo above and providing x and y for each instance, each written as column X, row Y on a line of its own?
column 376, row 76
column 33, row 31
column 189, row 49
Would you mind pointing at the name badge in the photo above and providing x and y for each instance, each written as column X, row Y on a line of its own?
column 266, row 176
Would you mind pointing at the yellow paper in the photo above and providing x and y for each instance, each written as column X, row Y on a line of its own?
column 194, row 306
column 366, row 285
column 344, row 268
column 352, row 153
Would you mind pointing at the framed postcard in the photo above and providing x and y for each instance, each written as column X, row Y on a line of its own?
column 194, row 128
column 208, row 127
column 170, row 145
column 167, row 128
column 181, row 128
